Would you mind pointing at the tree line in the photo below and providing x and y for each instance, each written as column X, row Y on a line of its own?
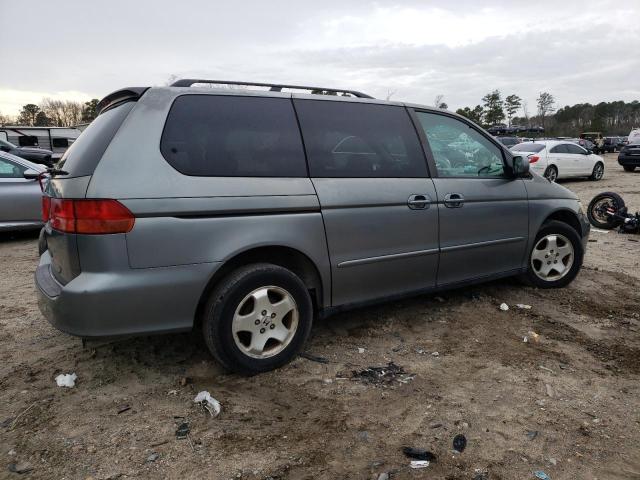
column 610, row 118
column 53, row 113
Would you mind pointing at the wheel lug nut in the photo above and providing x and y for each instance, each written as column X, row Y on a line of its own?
column 272, row 326
column 273, row 315
column 257, row 322
column 264, row 312
column 262, row 330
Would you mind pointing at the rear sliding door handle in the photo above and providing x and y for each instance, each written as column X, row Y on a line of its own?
column 419, row 202
column 453, row 200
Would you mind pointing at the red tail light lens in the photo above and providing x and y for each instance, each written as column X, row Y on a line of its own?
column 90, row 216
column 46, row 208
column 534, row 158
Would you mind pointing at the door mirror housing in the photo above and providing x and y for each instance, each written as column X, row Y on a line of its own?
column 31, row 174
column 519, row 166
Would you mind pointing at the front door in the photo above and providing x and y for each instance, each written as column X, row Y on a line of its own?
column 378, row 202
column 484, row 213
column 21, row 198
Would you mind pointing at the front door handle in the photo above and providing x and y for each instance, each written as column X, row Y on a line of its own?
column 453, row 200
column 419, row 202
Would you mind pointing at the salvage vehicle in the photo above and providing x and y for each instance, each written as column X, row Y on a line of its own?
column 247, row 213
column 20, row 195
column 629, row 156
column 559, row 159
column 33, row 154
column 608, row 211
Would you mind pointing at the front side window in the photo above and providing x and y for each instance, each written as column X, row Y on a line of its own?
column 10, row 170
column 458, row 149
column 28, row 141
column 233, row 136
column 358, row 140
column 575, row 149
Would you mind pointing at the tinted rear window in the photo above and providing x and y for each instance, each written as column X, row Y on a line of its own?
column 83, row 155
column 346, row 139
column 528, row 147
column 228, row 136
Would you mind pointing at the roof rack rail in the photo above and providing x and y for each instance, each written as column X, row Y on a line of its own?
column 274, row 87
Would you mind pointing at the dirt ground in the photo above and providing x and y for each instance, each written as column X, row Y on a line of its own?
column 568, row 405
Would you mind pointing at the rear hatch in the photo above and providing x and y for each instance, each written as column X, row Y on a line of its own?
column 66, row 211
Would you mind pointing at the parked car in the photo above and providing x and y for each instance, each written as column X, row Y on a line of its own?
column 20, row 197
column 629, row 157
column 35, row 155
column 611, row 144
column 508, row 141
column 556, row 159
column 622, row 142
column 588, row 145
column 247, row 214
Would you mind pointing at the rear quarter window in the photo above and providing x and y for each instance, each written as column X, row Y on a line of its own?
column 233, row 136
column 85, row 153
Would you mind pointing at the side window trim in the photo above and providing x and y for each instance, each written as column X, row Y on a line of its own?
column 427, row 147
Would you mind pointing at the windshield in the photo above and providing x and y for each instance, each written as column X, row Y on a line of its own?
column 528, row 147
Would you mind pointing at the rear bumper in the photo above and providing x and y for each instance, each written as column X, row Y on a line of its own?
column 131, row 302
column 629, row 160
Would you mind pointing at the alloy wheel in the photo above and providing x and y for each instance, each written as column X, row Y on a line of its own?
column 552, row 257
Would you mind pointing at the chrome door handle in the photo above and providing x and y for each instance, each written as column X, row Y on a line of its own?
column 453, row 200
column 419, row 202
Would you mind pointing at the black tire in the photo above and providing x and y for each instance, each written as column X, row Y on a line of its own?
column 597, row 220
column 225, row 299
column 597, row 174
column 549, row 228
column 551, row 173
column 629, row 168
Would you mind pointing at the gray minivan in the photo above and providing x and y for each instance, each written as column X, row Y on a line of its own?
column 247, row 213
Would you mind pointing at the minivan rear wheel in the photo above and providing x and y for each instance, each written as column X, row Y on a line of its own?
column 556, row 256
column 257, row 318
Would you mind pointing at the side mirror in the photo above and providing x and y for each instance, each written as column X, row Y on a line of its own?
column 31, row 174
column 520, row 166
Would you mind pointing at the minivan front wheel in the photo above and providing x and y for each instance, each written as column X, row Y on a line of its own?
column 257, row 319
column 556, row 256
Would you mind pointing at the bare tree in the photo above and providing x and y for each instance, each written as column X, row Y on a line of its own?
column 390, row 93
column 525, row 111
column 438, row 101
column 545, row 104
column 62, row 113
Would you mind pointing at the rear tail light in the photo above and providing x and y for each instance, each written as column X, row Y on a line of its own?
column 46, row 208
column 534, row 158
column 88, row 216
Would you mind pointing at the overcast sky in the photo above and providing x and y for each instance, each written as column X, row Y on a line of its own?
column 580, row 51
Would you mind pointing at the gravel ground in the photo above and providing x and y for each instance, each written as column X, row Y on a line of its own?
column 567, row 404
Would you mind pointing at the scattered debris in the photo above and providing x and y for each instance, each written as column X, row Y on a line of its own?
column 157, row 444
column 542, row 367
column 531, row 336
column 632, row 239
column 553, row 461
column 598, row 230
column 540, row 474
column 153, row 457
column 123, row 408
column 504, row 307
column 419, row 464
column 435, row 354
column 439, row 299
column 209, row 403
column 360, row 350
column 549, row 389
column 480, row 474
column 523, row 306
column 419, row 454
column 436, row 425
column 313, row 358
column 66, row 380
column 363, row 436
column 593, row 240
column 20, row 468
column 459, row 443
column 383, row 375
column 183, row 431
column 384, row 476
column 532, row 434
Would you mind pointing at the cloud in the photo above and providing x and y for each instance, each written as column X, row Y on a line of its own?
column 418, row 48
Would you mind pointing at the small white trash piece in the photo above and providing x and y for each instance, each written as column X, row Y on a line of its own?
column 66, row 380
column 504, row 307
column 523, row 306
column 211, row 404
column 419, row 463
column 360, row 350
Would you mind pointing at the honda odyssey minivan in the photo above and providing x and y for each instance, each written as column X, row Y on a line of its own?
column 249, row 213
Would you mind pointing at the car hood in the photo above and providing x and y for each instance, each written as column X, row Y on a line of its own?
column 35, row 150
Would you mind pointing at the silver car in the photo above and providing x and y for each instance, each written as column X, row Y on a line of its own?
column 248, row 213
column 20, row 197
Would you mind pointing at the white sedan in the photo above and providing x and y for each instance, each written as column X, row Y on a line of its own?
column 560, row 159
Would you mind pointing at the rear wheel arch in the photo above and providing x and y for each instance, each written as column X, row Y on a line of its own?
column 286, row 257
